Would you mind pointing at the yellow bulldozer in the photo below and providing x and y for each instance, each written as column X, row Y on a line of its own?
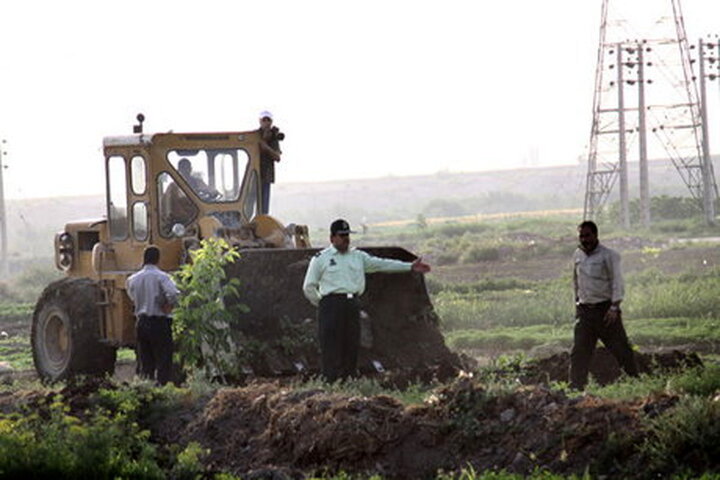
column 175, row 189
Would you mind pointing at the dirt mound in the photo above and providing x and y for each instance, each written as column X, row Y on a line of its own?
column 533, row 427
column 603, row 367
column 263, row 431
column 261, row 428
column 274, row 431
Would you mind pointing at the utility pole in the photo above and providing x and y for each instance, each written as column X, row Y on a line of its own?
column 642, row 137
column 4, row 270
column 708, row 206
column 622, row 157
column 708, row 196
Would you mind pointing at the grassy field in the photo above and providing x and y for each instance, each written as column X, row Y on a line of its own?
column 15, row 335
column 504, row 285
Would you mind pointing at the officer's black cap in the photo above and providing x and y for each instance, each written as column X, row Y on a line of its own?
column 340, row 227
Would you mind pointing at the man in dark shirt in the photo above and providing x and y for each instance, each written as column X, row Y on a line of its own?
column 269, row 154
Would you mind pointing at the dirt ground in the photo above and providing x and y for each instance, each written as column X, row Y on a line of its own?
column 604, row 369
column 267, row 430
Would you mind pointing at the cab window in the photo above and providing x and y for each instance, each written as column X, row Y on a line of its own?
column 250, row 203
column 137, row 174
column 175, row 206
column 117, row 198
column 140, row 223
column 212, row 174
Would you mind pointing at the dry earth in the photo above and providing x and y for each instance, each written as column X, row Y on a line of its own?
column 268, row 429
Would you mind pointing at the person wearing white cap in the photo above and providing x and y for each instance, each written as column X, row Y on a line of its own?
column 271, row 137
column 334, row 280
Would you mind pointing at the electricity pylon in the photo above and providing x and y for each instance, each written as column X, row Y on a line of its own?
column 645, row 106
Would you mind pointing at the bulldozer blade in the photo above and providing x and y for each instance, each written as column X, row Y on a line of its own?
column 277, row 334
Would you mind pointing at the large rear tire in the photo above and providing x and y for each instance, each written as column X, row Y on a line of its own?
column 66, row 332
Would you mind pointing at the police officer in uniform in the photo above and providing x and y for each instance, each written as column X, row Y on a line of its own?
column 334, row 280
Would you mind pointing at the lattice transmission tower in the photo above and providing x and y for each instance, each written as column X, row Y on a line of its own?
column 645, row 106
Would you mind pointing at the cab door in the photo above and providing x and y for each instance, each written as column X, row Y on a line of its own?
column 128, row 207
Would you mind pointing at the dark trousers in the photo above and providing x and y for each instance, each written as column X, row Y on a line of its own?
column 265, row 197
column 339, row 333
column 589, row 327
column 154, row 348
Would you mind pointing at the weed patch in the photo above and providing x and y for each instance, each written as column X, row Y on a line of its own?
column 686, row 439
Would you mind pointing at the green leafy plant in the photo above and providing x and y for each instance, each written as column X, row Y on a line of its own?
column 687, row 438
column 59, row 445
column 202, row 323
column 189, row 465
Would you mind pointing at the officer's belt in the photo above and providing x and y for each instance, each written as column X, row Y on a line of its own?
column 342, row 295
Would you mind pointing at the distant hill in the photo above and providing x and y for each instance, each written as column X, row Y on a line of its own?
column 453, row 194
column 32, row 223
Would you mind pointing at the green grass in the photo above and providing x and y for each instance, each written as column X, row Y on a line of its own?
column 692, row 294
column 469, row 473
column 367, row 387
column 699, row 381
column 509, row 338
column 676, row 331
column 126, row 354
column 541, row 303
column 660, row 310
column 655, row 332
column 16, row 311
column 17, row 353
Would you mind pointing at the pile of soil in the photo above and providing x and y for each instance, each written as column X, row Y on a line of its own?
column 603, row 367
column 267, row 430
column 262, row 431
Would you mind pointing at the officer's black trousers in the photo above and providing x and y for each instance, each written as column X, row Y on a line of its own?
column 154, row 347
column 339, row 333
column 589, row 327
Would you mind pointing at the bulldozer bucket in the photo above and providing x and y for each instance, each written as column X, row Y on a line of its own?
column 278, row 334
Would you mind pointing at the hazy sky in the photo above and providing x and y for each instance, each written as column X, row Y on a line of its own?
column 362, row 89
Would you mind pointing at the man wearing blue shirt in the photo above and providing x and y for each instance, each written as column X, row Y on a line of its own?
column 334, row 280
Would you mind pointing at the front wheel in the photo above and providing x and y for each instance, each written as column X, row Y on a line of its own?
column 66, row 332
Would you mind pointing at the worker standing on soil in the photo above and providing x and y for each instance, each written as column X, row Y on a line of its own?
column 333, row 282
column 154, row 294
column 599, row 290
column 269, row 154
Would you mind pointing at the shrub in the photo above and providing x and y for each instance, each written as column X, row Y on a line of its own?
column 698, row 381
column 686, row 437
column 480, row 254
column 58, row 445
column 447, row 258
column 201, row 326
